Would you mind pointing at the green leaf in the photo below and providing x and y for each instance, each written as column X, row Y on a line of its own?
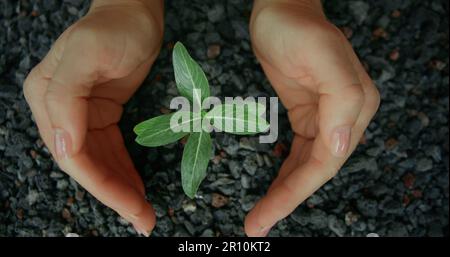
column 157, row 131
column 196, row 155
column 189, row 75
column 238, row 118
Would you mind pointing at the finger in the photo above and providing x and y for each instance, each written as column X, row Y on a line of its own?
column 107, row 184
column 299, row 145
column 126, row 164
column 67, row 93
column 36, row 83
column 340, row 89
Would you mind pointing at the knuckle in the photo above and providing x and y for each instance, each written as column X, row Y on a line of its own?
column 82, row 33
column 355, row 94
column 84, row 38
column 328, row 172
column 373, row 98
column 27, row 85
column 325, row 31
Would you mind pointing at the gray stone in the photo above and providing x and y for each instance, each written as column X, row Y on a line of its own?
column 424, row 164
column 250, row 164
column 336, row 225
column 359, row 10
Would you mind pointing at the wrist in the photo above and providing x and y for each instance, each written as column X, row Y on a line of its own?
column 311, row 6
column 153, row 9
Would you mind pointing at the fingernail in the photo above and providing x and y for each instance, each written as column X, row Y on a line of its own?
column 145, row 233
column 63, row 144
column 341, row 141
column 264, row 231
column 141, row 231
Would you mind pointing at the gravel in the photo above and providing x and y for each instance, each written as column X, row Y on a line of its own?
column 395, row 184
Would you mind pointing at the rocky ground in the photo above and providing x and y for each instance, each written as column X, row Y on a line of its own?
column 395, row 184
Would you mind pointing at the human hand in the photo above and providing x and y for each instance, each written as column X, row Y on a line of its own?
column 329, row 97
column 76, row 94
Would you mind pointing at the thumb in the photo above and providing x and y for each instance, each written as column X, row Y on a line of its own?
column 341, row 95
column 66, row 100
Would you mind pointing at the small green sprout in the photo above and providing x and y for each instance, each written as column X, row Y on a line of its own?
column 235, row 118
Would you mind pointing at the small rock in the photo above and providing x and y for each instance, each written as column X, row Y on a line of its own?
column 32, row 197
column 62, row 184
column 359, row 226
column 424, row 164
column 397, row 230
column 314, row 200
column 218, row 200
column 347, row 31
column 250, row 164
column 351, row 218
column 213, row 51
column 279, row 150
column 235, row 168
column 247, row 202
column 396, row 14
column 317, row 218
column 359, row 10
column 189, row 227
column 394, row 55
column 72, row 235
column 56, row 174
column 379, row 33
column 247, row 144
column 423, row 119
column 79, row 195
column 367, row 207
column 207, row 233
column 408, row 180
column 189, row 206
column 259, row 160
column 336, row 225
column 216, row 13
column 66, row 215
column 268, row 161
column 435, row 152
column 245, row 181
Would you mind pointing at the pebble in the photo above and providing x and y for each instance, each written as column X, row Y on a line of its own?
column 62, row 184
column 367, row 207
column 72, row 235
column 424, row 164
column 207, row 233
column 359, row 10
column 314, row 200
column 351, row 218
column 250, row 164
column 213, row 51
column 189, row 227
column 245, row 181
column 247, row 202
column 189, row 206
column 336, row 225
column 216, row 13
column 235, row 168
column 219, row 200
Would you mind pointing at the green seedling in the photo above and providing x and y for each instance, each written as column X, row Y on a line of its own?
column 192, row 84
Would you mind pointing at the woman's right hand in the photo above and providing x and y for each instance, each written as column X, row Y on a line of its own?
column 76, row 95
